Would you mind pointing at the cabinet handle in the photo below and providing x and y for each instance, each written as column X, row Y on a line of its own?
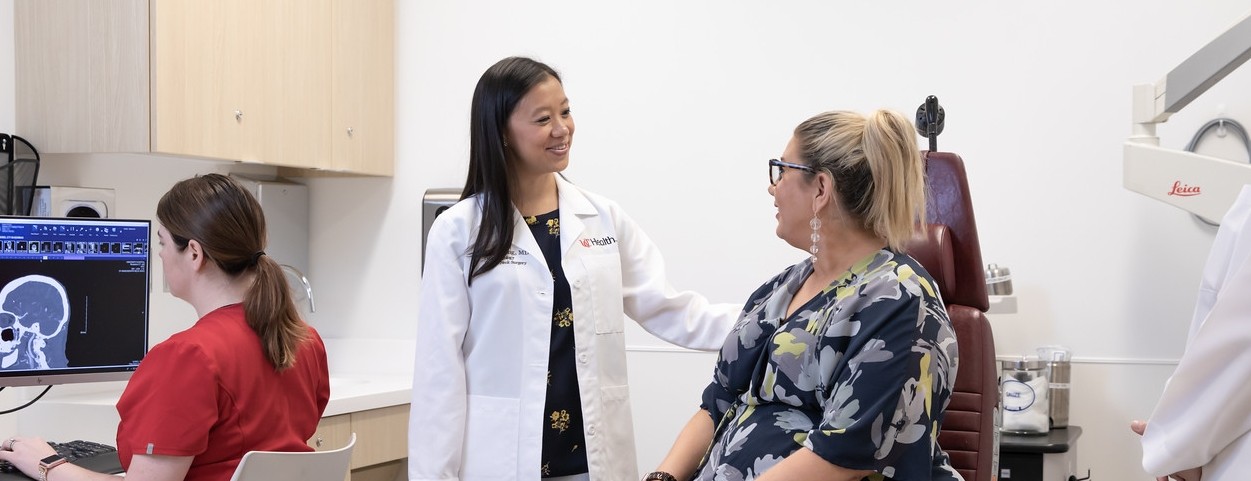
column 319, row 441
column 238, row 116
column 349, row 131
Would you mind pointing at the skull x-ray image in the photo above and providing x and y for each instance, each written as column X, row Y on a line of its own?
column 34, row 318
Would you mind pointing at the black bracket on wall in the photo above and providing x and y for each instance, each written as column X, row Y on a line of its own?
column 930, row 119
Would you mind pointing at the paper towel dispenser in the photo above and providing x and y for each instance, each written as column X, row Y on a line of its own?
column 432, row 204
column 285, row 204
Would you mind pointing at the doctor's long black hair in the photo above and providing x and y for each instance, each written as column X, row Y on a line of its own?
column 497, row 94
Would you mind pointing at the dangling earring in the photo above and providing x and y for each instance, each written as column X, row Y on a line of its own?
column 815, row 223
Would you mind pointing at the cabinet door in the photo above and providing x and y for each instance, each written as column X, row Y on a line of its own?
column 363, row 128
column 381, row 435
column 81, row 74
column 332, row 433
column 293, row 82
column 202, row 55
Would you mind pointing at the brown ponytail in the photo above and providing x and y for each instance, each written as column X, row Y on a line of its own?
column 272, row 314
column 229, row 225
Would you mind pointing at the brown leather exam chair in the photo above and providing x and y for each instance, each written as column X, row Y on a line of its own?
column 948, row 248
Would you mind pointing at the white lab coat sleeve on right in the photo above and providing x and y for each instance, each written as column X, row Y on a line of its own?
column 684, row 318
column 437, row 418
column 1206, row 404
column 1204, row 413
column 1229, row 249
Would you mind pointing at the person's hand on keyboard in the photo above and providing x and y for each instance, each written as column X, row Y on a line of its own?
column 25, row 453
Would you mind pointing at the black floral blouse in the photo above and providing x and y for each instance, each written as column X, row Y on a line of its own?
column 861, row 374
column 564, row 444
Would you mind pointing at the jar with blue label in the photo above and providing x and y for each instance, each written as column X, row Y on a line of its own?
column 1023, row 385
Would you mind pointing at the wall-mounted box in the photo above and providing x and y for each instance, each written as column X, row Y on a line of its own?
column 432, row 204
column 61, row 201
column 285, row 204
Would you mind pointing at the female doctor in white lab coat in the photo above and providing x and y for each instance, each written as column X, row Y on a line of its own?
column 521, row 370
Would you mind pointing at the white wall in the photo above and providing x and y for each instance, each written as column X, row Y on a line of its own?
column 678, row 104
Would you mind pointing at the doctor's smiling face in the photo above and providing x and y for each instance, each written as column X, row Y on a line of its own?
column 540, row 130
column 793, row 195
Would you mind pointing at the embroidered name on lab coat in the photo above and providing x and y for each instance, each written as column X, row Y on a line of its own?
column 512, row 256
column 598, row 242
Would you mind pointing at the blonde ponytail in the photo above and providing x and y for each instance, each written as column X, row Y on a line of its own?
column 898, row 177
column 876, row 167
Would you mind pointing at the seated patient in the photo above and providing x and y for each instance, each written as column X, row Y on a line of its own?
column 841, row 366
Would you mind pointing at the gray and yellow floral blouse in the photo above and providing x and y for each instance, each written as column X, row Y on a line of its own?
column 861, row 374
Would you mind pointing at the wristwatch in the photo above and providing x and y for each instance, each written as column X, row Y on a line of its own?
column 46, row 464
column 653, row 476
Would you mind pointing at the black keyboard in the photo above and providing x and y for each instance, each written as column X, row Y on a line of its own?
column 97, row 457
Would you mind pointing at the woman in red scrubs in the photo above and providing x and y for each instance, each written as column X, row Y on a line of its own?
column 250, row 375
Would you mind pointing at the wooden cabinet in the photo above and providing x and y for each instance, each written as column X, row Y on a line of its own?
column 81, row 74
column 381, row 440
column 363, row 119
column 294, row 83
column 242, row 80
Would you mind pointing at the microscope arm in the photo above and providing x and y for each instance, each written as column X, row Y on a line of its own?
column 1203, row 185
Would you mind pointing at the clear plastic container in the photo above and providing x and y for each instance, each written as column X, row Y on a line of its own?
column 1058, row 373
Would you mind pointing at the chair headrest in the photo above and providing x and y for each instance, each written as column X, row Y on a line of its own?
column 949, row 204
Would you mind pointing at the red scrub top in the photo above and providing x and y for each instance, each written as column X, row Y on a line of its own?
column 209, row 392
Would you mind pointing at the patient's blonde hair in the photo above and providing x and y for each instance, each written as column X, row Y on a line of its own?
column 878, row 174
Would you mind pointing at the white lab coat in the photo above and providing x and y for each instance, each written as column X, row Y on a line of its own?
column 480, row 377
column 1204, row 415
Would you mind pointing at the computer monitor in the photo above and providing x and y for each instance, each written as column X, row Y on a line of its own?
column 73, row 299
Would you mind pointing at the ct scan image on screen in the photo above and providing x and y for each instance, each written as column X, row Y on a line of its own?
column 74, row 299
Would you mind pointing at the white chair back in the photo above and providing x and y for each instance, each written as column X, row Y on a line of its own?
column 296, row 466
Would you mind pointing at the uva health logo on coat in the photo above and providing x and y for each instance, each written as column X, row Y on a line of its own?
column 598, row 241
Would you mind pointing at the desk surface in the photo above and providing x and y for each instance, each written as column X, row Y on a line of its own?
column 1055, row 441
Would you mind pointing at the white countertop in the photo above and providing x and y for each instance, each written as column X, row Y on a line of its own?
column 364, row 375
column 369, row 374
column 361, row 393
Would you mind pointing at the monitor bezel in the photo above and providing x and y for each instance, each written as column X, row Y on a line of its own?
column 77, row 377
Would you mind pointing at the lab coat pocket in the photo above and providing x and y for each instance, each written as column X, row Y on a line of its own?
column 491, row 438
column 604, row 273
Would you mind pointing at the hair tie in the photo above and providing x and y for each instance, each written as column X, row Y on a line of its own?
column 257, row 257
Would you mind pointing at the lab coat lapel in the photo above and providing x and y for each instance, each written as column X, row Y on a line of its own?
column 524, row 241
column 573, row 207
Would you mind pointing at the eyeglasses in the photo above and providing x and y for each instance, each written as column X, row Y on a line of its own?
column 776, row 167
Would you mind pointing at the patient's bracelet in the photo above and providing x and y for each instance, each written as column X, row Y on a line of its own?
column 659, row 476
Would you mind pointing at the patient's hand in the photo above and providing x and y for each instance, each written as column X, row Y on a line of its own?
column 1192, row 474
